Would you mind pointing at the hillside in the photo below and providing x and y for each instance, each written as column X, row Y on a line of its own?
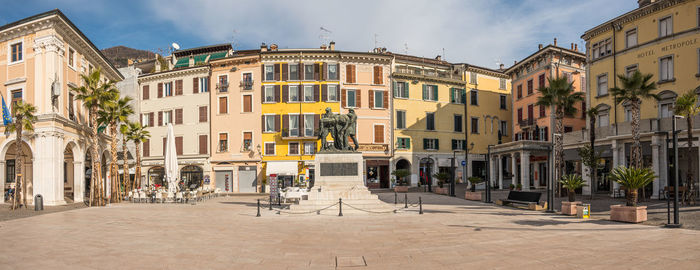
column 119, row 55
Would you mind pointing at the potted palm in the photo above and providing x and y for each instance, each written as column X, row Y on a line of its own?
column 511, row 187
column 571, row 182
column 519, row 187
column 632, row 179
column 401, row 182
column 442, row 179
column 472, row 194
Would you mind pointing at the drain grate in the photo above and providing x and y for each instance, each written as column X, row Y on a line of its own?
column 358, row 261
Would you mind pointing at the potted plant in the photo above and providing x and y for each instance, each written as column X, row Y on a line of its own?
column 472, row 194
column 442, row 179
column 571, row 182
column 511, row 187
column 401, row 183
column 632, row 179
column 519, row 187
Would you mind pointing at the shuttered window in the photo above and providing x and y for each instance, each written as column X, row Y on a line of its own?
column 203, row 114
column 223, row 142
column 147, row 148
column 430, row 121
column 378, row 133
column 203, row 144
column 178, row 145
column 146, row 92
column 247, row 103
column 378, row 72
column 151, row 121
column 223, row 105
column 195, row 85
column 178, row 87
column 247, row 140
column 178, row 116
column 350, row 73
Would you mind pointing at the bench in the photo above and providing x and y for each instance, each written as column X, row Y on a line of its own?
column 531, row 199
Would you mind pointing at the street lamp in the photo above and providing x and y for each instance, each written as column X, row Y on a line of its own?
column 488, row 173
column 676, row 221
column 554, row 168
column 454, row 169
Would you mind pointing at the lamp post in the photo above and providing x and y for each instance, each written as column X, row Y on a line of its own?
column 676, row 221
column 488, row 173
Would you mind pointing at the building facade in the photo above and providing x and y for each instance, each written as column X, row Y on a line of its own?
column 658, row 38
column 41, row 58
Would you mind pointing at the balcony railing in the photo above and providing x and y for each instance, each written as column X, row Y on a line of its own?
column 526, row 122
column 222, row 87
column 246, row 84
column 426, row 72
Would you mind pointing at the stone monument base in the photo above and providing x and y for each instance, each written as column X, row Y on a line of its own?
column 339, row 175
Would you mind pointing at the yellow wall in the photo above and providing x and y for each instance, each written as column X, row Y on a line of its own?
column 489, row 105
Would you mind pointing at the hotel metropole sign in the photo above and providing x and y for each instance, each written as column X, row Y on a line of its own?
column 670, row 47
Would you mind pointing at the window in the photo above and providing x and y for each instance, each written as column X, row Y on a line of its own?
column 247, row 141
column 351, row 100
column 10, row 171
column 400, row 119
column 631, row 38
column 474, row 97
column 603, row 120
column 475, row 125
column 294, row 125
column 222, row 86
column 430, row 121
column 378, row 75
column 145, row 120
column 293, row 148
column 203, row 114
column 520, row 114
column 378, row 133
column 167, row 117
column 520, row 91
column 269, row 123
column 602, row 85
column 309, row 148
column 247, row 103
column 583, row 84
column 293, row 93
column 71, row 57
column 270, row 93
column 16, row 52
column 401, row 89
column 666, row 110
column 147, row 148
column 308, row 93
column 540, row 81
column 457, row 123
column 568, row 129
column 543, row 112
column 309, row 125
column 628, row 113
column 223, row 105
column 529, row 87
column 269, row 72
column 203, row 144
column 458, row 95
column 542, row 135
column 223, row 142
column 666, row 68
column 168, row 89
column 502, row 99
column 504, row 128
column 629, row 70
column 430, row 92
column 458, row 145
column 269, row 149
column 308, row 72
column 665, row 26
column 602, row 48
column 204, row 84
column 350, row 74
column 332, row 72
column 247, row 81
column 473, row 78
column 431, row 144
column 145, row 95
column 403, row 143
column 293, row 72
column 502, row 84
column 378, row 99
column 332, row 93
column 178, row 116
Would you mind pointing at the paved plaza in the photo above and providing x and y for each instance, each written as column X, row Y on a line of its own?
column 225, row 233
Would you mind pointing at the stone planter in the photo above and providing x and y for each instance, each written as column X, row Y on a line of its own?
column 401, row 189
column 473, row 196
column 569, row 208
column 631, row 214
column 441, row 190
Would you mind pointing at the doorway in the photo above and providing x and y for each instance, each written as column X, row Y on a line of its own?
column 247, row 179
column 224, row 180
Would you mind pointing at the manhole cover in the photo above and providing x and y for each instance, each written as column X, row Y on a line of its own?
column 350, row 261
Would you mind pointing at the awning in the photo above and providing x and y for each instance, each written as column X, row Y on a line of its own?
column 282, row 167
column 217, row 55
column 182, row 62
column 199, row 59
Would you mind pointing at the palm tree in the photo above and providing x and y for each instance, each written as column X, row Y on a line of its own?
column 124, row 130
column 137, row 134
column 572, row 182
column 24, row 119
column 687, row 105
column 635, row 88
column 633, row 179
column 560, row 94
column 113, row 113
column 94, row 94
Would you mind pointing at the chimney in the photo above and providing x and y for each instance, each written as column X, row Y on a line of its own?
column 576, row 47
column 645, row 2
column 515, row 62
column 331, row 46
column 539, row 46
column 157, row 63
column 439, row 58
column 273, row 47
column 555, row 42
column 500, row 66
column 263, row 47
column 323, row 47
column 191, row 62
column 572, row 46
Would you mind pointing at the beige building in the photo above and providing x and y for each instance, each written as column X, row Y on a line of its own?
column 41, row 57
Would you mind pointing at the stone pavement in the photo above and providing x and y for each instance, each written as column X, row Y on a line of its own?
column 223, row 233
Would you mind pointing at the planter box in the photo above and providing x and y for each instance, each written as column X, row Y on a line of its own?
column 439, row 190
column 373, row 185
column 473, row 196
column 401, row 189
column 632, row 214
column 569, row 208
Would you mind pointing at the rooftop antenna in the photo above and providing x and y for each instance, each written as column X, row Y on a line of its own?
column 443, row 54
column 498, row 61
column 324, row 35
column 376, row 41
column 405, row 47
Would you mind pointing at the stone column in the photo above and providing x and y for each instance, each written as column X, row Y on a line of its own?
column 48, row 168
column 655, row 164
column 2, row 180
column 615, row 147
column 492, row 171
column 500, row 172
column 587, row 177
column 536, row 174
column 78, row 180
column 514, row 167
column 525, row 169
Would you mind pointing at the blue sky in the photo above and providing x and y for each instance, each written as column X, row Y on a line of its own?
column 481, row 32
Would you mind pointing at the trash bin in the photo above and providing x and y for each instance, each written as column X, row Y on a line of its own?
column 38, row 202
column 583, row 210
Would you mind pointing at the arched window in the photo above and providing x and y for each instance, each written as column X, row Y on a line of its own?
column 191, row 176
column 666, row 100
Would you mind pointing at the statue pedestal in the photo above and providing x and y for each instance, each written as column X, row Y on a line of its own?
column 339, row 175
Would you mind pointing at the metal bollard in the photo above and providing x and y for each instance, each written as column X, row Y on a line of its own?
column 340, row 207
column 405, row 200
column 270, row 203
column 396, row 196
column 420, row 206
column 38, row 202
column 258, row 208
column 279, row 199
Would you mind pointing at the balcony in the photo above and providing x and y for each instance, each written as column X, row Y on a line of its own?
column 246, row 84
column 222, row 87
column 297, row 134
column 526, row 122
column 426, row 72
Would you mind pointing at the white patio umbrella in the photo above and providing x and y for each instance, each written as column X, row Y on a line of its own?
column 171, row 160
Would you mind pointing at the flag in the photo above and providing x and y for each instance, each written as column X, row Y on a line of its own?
column 6, row 116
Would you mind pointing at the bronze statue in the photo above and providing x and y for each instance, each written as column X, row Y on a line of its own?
column 339, row 127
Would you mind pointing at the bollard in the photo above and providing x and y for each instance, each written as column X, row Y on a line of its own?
column 420, row 206
column 270, row 203
column 38, row 203
column 279, row 199
column 258, row 208
column 668, row 208
column 396, row 197
column 405, row 200
column 340, row 207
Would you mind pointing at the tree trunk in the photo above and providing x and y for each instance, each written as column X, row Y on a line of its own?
column 594, row 167
column 113, row 167
column 636, row 153
column 572, row 195
column 632, row 199
column 559, row 149
column 95, row 179
column 125, row 168
column 137, row 175
column 19, row 195
column 689, row 174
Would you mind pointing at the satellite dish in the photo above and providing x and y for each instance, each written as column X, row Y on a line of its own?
column 176, row 46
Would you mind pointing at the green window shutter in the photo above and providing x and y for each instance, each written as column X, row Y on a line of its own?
column 452, row 95
column 454, row 144
column 408, row 143
column 435, row 93
column 425, row 92
column 405, row 88
column 464, row 96
column 396, row 92
column 437, row 144
column 425, row 143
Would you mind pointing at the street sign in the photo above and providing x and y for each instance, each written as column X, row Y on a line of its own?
column 464, row 163
column 274, row 188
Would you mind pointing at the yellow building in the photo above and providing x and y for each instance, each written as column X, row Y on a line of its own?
column 658, row 38
column 430, row 127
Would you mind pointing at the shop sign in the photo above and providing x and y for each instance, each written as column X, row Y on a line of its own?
column 274, row 188
column 368, row 147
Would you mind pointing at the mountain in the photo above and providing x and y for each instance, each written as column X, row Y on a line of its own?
column 120, row 55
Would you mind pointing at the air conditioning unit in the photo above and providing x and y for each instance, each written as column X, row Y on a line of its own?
column 56, row 88
column 414, row 82
column 233, row 69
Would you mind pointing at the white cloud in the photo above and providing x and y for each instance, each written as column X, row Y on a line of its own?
column 476, row 32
